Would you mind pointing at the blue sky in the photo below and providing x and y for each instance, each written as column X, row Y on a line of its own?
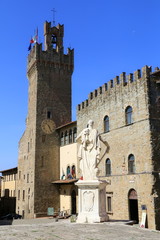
column 109, row 37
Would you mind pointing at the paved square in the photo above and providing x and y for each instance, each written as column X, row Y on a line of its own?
column 48, row 229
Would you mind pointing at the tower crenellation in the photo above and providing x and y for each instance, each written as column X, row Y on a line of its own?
column 110, row 83
column 118, row 83
column 130, row 78
column 123, row 78
column 137, row 74
column 116, row 80
column 53, row 54
column 40, row 58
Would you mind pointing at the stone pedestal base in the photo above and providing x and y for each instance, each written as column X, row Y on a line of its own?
column 92, row 201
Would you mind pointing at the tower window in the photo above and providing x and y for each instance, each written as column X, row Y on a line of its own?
column 109, row 204
column 106, row 124
column 68, row 172
column 131, row 164
column 54, row 41
column 66, row 138
column 108, row 167
column 28, row 178
column 23, row 195
column 70, row 136
column 128, row 115
column 73, row 171
column 109, row 197
column 18, row 194
column 74, row 134
column 49, row 115
column 62, row 139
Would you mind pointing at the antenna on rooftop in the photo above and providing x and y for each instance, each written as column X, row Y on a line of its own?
column 54, row 11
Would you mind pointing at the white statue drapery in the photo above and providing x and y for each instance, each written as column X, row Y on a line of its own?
column 89, row 151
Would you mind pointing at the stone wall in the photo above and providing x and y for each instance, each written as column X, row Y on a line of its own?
column 154, row 107
column 111, row 100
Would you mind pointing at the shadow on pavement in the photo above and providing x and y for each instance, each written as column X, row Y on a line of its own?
column 6, row 222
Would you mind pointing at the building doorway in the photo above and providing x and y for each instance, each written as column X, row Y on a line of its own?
column 73, row 202
column 133, row 205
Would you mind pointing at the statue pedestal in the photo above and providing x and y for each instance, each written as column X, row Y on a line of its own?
column 92, row 201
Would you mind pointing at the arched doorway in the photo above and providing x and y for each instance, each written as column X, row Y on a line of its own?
column 133, row 205
column 73, row 202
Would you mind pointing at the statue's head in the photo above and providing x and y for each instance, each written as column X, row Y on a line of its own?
column 90, row 123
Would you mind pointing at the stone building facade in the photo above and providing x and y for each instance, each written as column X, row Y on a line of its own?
column 8, row 191
column 8, row 182
column 126, row 113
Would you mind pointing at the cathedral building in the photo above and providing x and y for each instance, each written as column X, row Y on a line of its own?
column 126, row 113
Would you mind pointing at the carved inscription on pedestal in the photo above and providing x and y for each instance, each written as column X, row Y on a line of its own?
column 88, row 198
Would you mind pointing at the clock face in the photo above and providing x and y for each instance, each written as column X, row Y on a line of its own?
column 48, row 126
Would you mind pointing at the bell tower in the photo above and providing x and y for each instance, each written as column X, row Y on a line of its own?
column 49, row 73
column 53, row 37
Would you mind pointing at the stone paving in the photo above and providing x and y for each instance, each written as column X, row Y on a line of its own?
column 48, row 229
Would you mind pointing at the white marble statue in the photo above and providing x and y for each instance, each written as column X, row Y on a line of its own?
column 89, row 151
column 91, row 191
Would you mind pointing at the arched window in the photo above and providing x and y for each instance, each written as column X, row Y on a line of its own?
column 128, row 113
column 74, row 134
column 108, row 167
column 66, row 138
column 106, row 124
column 131, row 164
column 54, row 41
column 70, row 136
column 69, row 172
column 73, row 171
column 62, row 139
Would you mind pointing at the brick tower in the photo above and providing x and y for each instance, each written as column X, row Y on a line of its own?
column 49, row 106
